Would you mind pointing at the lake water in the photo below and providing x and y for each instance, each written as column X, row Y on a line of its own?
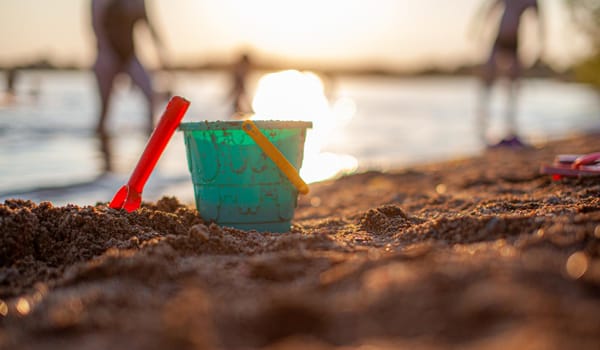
column 48, row 151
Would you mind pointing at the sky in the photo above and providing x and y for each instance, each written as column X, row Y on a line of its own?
column 403, row 34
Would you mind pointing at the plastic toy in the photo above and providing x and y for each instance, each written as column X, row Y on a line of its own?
column 270, row 150
column 129, row 197
column 573, row 165
column 235, row 182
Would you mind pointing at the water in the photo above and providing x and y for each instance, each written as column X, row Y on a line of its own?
column 50, row 153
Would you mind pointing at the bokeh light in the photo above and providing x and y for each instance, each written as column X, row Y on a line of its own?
column 295, row 95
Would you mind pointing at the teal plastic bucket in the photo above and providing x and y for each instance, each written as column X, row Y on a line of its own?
column 235, row 183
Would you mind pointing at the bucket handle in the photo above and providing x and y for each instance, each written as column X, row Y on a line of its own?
column 276, row 156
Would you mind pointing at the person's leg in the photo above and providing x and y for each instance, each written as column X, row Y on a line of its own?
column 513, row 94
column 487, row 80
column 105, row 69
column 141, row 78
column 104, row 140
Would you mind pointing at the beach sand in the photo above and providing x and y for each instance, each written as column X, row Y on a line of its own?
column 479, row 253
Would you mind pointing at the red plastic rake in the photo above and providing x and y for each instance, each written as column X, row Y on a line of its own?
column 129, row 197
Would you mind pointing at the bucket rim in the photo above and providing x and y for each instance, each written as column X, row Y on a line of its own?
column 237, row 124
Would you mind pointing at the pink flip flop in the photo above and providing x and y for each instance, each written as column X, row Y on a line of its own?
column 573, row 165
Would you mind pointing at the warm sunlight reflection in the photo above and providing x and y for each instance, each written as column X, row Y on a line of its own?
column 294, row 95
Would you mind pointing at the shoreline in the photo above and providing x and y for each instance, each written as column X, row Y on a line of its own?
column 474, row 253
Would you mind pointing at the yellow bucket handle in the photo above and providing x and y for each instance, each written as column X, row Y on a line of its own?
column 276, row 156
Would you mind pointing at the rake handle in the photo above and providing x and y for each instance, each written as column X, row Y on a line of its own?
column 158, row 141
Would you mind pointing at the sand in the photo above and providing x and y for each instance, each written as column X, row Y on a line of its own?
column 480, row 253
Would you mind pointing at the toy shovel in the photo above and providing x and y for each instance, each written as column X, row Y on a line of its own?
column 129, row 197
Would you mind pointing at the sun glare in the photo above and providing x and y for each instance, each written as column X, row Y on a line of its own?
column 295, row 95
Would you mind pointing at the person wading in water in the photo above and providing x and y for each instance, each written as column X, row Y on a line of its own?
column 504, row 55
column 113, row 22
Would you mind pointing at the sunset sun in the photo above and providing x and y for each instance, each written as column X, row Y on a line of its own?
column 295, row 95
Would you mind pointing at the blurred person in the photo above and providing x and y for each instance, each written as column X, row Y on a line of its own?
column 504, row 56
column 31, row 92
column 11, row 79
column 105, row 148
column 239, row 92
column 113, row 22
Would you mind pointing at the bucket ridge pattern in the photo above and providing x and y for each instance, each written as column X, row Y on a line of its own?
column 235, row 183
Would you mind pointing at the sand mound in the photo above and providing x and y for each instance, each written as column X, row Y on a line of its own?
column 476, row 253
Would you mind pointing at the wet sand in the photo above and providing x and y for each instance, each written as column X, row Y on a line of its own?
column 480, row 253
